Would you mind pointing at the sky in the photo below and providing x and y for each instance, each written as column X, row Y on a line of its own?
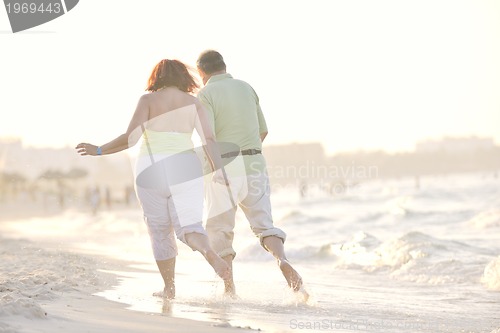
column 351, row 74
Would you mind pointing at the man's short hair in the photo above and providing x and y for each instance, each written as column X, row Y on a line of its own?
column 211, row 61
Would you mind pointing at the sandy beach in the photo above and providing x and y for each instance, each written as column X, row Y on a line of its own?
column 49, row 290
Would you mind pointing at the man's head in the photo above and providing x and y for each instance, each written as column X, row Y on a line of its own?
column 210, row 62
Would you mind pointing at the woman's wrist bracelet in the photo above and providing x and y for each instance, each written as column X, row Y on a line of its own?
column 99, row 151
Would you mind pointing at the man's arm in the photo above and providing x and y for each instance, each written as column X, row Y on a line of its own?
column 262, row 122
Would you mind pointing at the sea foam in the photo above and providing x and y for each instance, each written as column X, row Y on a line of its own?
column 491, row 275
column 486, row 219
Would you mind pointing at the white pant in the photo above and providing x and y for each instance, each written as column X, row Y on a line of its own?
column 168, row 207
column 252, row 194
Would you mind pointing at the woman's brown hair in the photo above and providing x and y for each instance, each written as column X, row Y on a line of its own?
column 171, row 73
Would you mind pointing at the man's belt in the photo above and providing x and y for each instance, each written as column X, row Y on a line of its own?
column 243, row 152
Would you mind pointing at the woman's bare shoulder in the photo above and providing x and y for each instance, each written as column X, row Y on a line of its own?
column 145, row 98
column 190, row 98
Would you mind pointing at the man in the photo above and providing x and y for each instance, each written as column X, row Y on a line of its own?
column 239, row 125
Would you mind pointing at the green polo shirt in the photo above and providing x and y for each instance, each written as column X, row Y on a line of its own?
column 235, row 116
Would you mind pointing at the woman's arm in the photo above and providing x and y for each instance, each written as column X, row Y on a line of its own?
column 127, row 139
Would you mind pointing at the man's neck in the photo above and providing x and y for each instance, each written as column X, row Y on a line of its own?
column 213, row 74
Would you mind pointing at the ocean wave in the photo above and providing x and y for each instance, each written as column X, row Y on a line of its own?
column 409, row 209
column 356, row 252
column 413, row 245
column 296, row 217
column 371, row 217
column 421, row 258
column 293, row 216
column 399, row 206
column 491, row 275
column 415, row 257
column 486, row 219
column 418, row 257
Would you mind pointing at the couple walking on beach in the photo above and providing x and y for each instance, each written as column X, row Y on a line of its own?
column 170, row 176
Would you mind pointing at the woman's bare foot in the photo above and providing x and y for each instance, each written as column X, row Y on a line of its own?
column 167, row 271
column 167, row 306
column 167, row 293
column 219, row 265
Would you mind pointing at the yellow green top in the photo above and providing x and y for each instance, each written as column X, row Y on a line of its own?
column 235, row 116
column 165, row 142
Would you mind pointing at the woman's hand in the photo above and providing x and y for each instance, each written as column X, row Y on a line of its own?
column 219, row 177
column 86, row 149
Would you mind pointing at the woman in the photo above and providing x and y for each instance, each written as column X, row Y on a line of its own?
column 169, row 181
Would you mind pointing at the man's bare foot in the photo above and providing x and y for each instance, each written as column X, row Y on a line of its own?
column 219, row 265
column 292, row 277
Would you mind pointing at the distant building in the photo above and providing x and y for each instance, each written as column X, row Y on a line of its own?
column 294, row 153
column 455, row 145
column 8, row 145
column 30, row 162
column 295, row 162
